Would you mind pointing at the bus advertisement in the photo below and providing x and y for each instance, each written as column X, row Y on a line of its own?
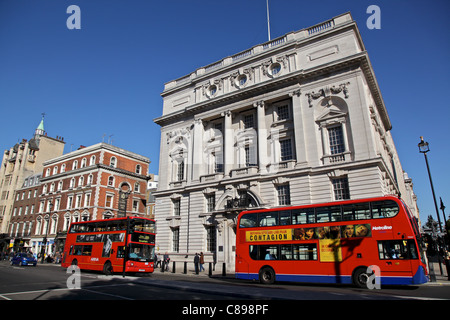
column 337, row 242
column 111, row 245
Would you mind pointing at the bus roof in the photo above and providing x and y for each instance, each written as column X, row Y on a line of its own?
column 325, row 204
column 113, row 219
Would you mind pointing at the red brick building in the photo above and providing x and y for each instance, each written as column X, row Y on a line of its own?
column 86, row 184
column 22, row 219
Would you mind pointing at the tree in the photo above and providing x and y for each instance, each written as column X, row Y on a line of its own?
column 431, row 224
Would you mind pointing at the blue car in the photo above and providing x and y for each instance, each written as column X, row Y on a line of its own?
column 24, row 259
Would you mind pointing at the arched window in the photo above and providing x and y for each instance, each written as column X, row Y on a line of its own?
column 113, row 162
column 111, row 181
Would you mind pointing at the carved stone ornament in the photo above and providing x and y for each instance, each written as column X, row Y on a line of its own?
column 178, row 134
column 327, row 92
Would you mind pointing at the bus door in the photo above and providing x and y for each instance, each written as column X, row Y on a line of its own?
column 395, row 255
column 242, row 263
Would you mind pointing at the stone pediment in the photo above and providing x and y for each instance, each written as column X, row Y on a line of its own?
column 331, row 114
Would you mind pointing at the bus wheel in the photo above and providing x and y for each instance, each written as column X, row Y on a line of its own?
column 267, row 275
column 107, row 268
column 361, row 277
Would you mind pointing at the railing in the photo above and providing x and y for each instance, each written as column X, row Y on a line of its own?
column 213, row 66
column 321, row 27
column 274, row 43
column 242, row 55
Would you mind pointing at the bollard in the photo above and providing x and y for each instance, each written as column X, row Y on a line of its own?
column 210, row 269
column 447, row 266
column 173, row 267
column 163, row 266
column 185, row 267
column 224, row 269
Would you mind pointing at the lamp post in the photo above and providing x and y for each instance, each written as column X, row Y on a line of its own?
column 443, row 208
column 424, row 148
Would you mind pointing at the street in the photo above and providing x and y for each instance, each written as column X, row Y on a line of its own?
column 49, row 282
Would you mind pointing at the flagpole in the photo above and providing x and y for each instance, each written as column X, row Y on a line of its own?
column 268, row 19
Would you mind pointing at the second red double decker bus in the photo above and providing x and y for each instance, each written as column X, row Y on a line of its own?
column 111, row 245
column 333, row 242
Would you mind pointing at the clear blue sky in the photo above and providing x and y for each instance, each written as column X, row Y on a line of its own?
column 105, row 79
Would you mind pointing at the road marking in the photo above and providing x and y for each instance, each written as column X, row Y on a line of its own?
column 4, row 295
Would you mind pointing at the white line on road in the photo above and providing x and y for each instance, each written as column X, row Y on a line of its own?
column 4, row 295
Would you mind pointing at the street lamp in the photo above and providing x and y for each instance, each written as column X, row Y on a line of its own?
column 424, row 148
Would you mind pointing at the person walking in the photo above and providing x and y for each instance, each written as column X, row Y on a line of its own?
column 202, row 261
column 166, row 261
column 196, row 262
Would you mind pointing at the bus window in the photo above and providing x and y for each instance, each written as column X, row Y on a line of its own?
column 323, row 214
column 253, row 252
column 397, row 249
column 145, row 226
column 90, row 228
column 305, row 251
column 335, row 213
column 356, row 211
column 248, row 220
column 303, row 216
column 269, row 252
column 268, row 219
column 384, row 209
column 120, row 252
column 87, row 250
column 286, row 252
column 285, row 218
column 77, row 250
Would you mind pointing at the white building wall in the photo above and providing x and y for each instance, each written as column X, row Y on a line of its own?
column 325, row 76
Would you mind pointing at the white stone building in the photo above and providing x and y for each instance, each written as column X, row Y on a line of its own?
column 297, row 120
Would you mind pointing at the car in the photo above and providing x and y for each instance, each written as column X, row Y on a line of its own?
column 24, row 259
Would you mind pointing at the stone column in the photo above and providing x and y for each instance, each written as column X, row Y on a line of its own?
column 262, row 137
column 228, row 147
column 299, row 130
column 197, row 152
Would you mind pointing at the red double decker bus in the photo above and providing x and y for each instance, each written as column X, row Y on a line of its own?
column 111, row 245
column 332, row 243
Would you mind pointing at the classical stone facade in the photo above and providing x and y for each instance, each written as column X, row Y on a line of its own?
column 294, row 121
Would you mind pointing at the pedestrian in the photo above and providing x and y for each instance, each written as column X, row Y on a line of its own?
column 202, row 261
column 166, row 261
column 158, row 261
column 196, row 261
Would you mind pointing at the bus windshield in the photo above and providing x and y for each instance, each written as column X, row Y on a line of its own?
column 140, row 252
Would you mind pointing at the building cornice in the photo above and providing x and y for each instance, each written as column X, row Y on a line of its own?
column 95, row 148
